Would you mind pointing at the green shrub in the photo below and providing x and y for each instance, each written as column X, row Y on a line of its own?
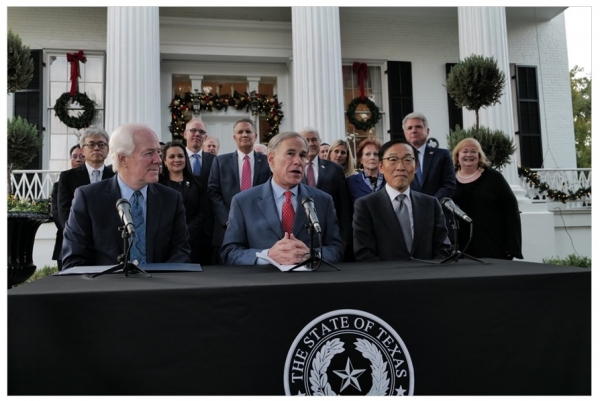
column 497, row 147
column 570, row 260
column 20, row 63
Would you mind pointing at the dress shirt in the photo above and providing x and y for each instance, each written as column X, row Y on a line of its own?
column 315, row 167
column 392, row 193
column 90, row 169
column 191, row 157
column 241, row 156
column 420, row 156
column 127, row 193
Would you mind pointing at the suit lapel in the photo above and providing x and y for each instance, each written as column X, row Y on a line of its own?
column 233, row 162
column 260, row 163
column 111, row 195
column 419, row 216
column 427, row 160
column 323, row 171
column 83, row 178
column 388, row 215
column 266, row 206
column 153, row 208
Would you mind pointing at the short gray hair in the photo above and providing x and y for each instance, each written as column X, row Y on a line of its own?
column 245, row 120
column 417, row 115
column 277, row 139
column 91, row 131
column 311, row 129
column 121, row 142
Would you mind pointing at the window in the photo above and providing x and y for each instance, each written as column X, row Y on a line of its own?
column 61, row 137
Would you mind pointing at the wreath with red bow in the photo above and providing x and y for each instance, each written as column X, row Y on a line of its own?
column 370, row 122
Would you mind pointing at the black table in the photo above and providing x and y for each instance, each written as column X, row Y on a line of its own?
column 505, row 328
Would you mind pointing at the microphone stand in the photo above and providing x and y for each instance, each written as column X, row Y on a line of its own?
column 123, row 259
column 455, row 253
column 314, row 258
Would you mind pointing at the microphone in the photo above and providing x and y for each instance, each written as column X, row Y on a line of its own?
column 311, row 213
column 450, row 205
column 124, row 208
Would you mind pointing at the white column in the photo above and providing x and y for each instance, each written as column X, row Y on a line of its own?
column 133, row 68
column 318, row 99
column 482, row 31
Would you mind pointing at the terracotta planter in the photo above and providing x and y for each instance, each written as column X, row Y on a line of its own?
column 22, row 227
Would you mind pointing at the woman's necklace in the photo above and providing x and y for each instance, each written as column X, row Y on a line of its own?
column 468, row 176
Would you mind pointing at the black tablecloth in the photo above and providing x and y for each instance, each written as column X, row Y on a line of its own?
column 501, row 328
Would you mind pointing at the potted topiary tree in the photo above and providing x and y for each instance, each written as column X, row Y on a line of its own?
column 477, row 83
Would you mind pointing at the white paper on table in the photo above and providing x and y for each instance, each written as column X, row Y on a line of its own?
column 283, row 268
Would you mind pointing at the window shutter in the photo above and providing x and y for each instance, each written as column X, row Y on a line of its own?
column 28, row 103
column 455, row 116
column 529, row 117
column 400, row 92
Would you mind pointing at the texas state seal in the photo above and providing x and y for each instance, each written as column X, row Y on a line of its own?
column 348, row 352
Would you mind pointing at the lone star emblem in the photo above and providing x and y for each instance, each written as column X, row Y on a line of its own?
column 350, row 376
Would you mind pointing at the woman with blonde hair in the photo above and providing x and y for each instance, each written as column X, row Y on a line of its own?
column 485, row 196
column 339, row 153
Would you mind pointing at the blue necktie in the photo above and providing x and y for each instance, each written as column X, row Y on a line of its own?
column 196, row 165
column 138, row 247
column 418, row 169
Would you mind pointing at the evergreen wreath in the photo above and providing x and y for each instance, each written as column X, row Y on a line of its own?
column 84, row 119
column 366, row 124
column 534, row 181
column 267, row 105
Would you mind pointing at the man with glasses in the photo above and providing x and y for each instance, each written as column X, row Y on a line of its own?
column 94, row 146
column 399, row 223
column 195, row 134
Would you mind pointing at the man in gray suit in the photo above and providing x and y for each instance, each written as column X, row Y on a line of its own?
column 233, row 173
column 269, row 218
column 91, row 235
column 398, row 223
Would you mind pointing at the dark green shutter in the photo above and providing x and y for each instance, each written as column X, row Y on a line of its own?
column 400, row 93
column 530, row 133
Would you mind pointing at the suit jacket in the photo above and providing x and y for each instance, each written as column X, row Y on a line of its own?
column 332, row 180
column 91, row 235
column 377, row 232
column 207, row 161
column 68, row 182
column 254, row 225
column 357, row 187
column 438, row 176
column 54, row 210
column 224, row 184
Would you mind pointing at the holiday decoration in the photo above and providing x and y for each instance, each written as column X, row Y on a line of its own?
column 60, row 107
column 267, row 105
column 534, row 181
column 367, row 123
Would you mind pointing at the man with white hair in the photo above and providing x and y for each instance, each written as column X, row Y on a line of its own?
column 91, row 235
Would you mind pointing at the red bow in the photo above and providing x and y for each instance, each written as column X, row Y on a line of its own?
column 362, row 77
column 74, row 59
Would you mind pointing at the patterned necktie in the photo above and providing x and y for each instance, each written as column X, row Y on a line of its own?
column 418, row 169
column 196, row 164
column 246, row 174
column 288, row 214
column 95, row 176
column 310, row 175
column 138, row 247
column 404, row 219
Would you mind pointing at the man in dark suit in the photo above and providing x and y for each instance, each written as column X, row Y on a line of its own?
column 398, row 223
column 91, row 235
column 233, row 173
column 269, row 218
column 77, row 158
column 437, row 177
column 200, row 161
column 94, row 144
column 328, row 177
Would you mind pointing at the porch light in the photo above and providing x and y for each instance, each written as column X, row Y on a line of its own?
column 196, row 102
column 253, row 103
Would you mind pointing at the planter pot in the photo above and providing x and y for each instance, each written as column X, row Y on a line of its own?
column 22, row 227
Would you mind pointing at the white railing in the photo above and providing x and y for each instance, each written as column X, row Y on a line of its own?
column 563, row 180
column 33, row 184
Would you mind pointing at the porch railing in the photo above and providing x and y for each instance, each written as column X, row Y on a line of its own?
column 568, row 181
column 33, row 184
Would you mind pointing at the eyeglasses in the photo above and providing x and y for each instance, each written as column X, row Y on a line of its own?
column 197, row 131
column 392, row 160
column 92, row 145
column 75, row 157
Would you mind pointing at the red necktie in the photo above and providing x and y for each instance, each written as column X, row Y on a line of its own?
column 288, row 214
column 246, row 174
column 310, row 175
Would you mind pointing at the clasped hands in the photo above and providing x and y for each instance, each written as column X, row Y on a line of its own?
column 289, row 250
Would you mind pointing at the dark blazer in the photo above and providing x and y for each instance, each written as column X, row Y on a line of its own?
column 207, row 160
column 254, row 225
column 59, row 231
column 438, row 176
column 91, row 235
column 68, row 182
column 332, row 180
column 357, row 187
column 377, row 232
column 224, row 184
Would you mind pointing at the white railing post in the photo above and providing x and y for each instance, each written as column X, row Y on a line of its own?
column 33, row 184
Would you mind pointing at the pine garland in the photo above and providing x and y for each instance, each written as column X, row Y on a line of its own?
column 534, row 181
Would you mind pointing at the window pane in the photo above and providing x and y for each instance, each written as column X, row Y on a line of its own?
column 93, row 69
column 58, row 68
column 95, row 92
